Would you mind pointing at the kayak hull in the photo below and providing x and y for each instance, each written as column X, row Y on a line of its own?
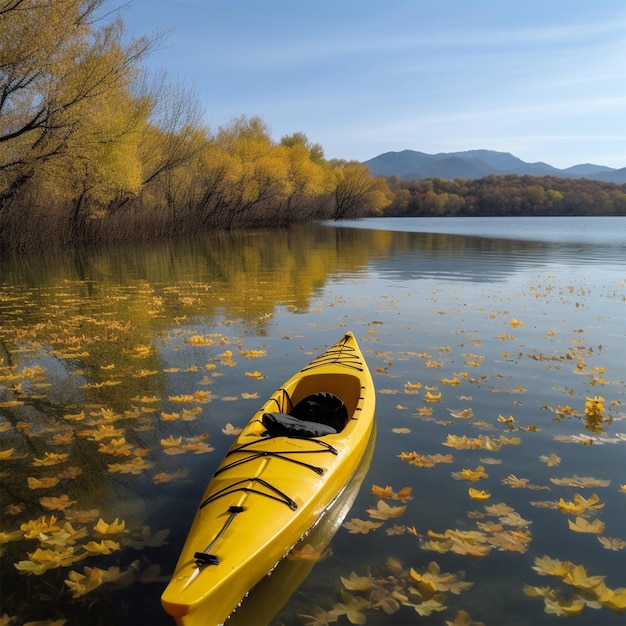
column 270, row 490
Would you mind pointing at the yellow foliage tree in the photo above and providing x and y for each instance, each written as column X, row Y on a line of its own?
column 357, row 193
column 68, row 121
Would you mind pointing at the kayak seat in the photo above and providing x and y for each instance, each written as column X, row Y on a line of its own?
column 315, row 415
column 324, row 408
column 283, row 424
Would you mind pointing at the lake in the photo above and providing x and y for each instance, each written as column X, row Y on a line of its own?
column 496, row 488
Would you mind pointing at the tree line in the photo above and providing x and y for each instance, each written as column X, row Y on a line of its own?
column 94, row 148
column 506, row 195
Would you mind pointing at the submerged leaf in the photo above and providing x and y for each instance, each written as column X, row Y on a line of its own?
column 463, row 619
column 356, row 526
column 309, row 552
column 357, row 583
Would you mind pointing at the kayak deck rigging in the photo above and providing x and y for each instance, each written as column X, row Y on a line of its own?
column 277, row 454
column 340, row 354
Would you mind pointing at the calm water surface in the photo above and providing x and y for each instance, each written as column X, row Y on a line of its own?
column 123, row 373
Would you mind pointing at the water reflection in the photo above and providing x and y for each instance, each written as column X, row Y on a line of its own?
column 134, row 361
column 257, row 270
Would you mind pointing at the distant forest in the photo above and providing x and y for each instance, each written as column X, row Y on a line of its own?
column 505, row 195
column 95, row 149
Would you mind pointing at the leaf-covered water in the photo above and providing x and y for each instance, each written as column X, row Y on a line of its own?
column 495, row 492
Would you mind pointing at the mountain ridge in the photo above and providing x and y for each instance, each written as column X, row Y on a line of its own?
column 472, row 164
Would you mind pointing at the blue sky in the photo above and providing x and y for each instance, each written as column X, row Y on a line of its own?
column 545, row 80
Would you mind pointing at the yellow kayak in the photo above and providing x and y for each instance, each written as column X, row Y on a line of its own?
column 288, row 465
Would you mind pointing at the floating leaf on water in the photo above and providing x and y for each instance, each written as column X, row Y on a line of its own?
column 74, row 417
column 136, row 465
column 384, row 511
column 612, row 543
column 507, row 420
column 116, row 447
column 490, row 461
column 580, row 481
column 43, row 524
column 171, row 441
column 203, row 396
column 437, row 581
column 164, row 477
column 420, row 460
column 471, row 475
column 6, row 454
column 42, row 483
column 229, row 429
column 191, row 414
column 170, row 417
column 182, row 398
column 104, row 546
column 464, row 442
column 475, row 494
column 382, row 492
column 412, row 388
column 424, row 411
column 40, row 561
column 545, row 504
column 102, row 529
column 580, row 505
column 253, row 354
column 145, row 373
column 256, row 374
column 56, row 503
column 581, row 525
column 499, row 509
column 432, row 397
column 564, row 606
column 546, row 565
column 551, row 460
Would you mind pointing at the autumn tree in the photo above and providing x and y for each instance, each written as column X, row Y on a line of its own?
column 357, row 193
column 309, row 176
column 171, row 139
column 68, row 123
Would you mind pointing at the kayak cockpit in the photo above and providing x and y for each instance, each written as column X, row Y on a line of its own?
column 316, row 415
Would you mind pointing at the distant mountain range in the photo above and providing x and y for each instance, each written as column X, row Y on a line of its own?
column 412, row 165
